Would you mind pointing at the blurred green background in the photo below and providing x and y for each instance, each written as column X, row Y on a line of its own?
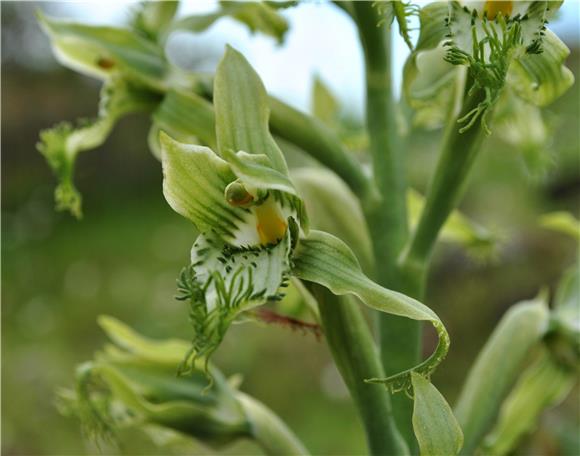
column 59, row 274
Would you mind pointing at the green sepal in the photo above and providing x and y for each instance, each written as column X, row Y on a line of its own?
column 429, row 82
column 497, row 367
column 332, row 207
column 541, row 386
column 105, row 52
column 153, row 18
column 563, row 222
column 257, row 16
column 242, row 113
column 61, row 144
column 326, row 260
column 194, row 181
column 434, row 424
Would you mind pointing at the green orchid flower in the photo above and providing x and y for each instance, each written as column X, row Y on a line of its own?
column 131, row 384
column 254, row 229
column 502, row 47
column 137, row 76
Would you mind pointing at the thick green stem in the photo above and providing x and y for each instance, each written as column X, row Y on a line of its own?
column 458, row 154
column 399, row 338
column 354, row 352
column 268, row 430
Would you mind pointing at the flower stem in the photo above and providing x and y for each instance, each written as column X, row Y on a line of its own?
column 268, row 430
column 354, row 352
column 387, row 219
column 459, row 151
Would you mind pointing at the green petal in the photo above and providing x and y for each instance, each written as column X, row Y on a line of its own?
column 497, row 367
column 103, row 52
column 257, row 16
column 542, row 78
column 194, row 181
column 326, row 260
column 435, row 426
column 224, row 281
column 61, row 144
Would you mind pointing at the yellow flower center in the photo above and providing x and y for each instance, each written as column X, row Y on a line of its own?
column 271, row 224
column 493, row 7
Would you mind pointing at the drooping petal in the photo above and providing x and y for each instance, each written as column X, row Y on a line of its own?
column 326, row 260
column 61, row 144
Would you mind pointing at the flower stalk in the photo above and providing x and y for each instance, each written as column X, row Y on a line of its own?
column 357, row 359
column 387, row 219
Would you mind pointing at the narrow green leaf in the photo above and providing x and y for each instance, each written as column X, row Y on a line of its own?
column 104, row 52
column 324, row 259
column 435, row 426
column 541, row 386
column 497, row 367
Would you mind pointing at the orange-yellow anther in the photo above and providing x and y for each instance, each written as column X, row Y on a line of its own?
column 271, row 224
column 493, row 7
